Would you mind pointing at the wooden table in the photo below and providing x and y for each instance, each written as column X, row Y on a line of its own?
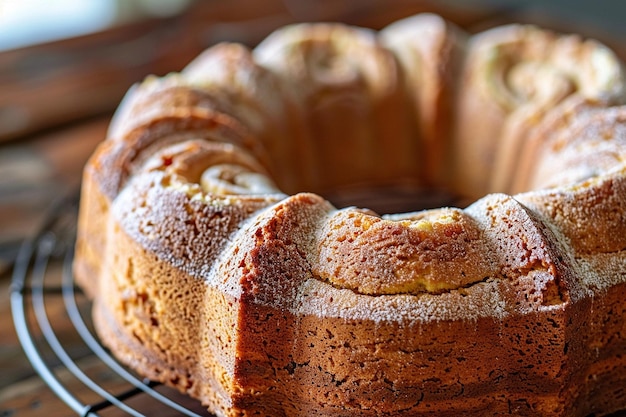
column 34, row 173
column 40, row 168
column 38, row 174
column 64, row 101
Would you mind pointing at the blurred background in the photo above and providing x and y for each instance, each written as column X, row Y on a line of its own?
column 66, row 59
column 65, row 65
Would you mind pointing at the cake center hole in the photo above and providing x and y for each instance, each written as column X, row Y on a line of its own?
column 390, row 199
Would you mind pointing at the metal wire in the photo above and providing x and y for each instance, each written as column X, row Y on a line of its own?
column 30, row 293
column 31, row 296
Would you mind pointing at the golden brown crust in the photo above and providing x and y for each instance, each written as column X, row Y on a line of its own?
column 151, row 314
column 208, row 278
column 513, row 77
column 91, row 235
column 350, row 95
column 257, row 98
column 591, row 145
column 430, row 52
column 572, row 210
column 432, row 251
column 573, row 111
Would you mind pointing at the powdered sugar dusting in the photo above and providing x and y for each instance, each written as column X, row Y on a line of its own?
column 322, row 300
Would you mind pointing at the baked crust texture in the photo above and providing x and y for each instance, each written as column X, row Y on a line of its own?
column 217, row 267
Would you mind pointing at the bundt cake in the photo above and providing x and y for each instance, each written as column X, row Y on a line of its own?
column 216, row 266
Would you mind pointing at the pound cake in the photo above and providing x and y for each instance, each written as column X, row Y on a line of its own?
column 216, row 265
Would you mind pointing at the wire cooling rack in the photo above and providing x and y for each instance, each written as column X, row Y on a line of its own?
column 53, row 323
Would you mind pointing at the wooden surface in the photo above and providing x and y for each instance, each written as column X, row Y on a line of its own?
column 39, row 167
column 33, row 174
column 55, row 105
column 45, row 85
